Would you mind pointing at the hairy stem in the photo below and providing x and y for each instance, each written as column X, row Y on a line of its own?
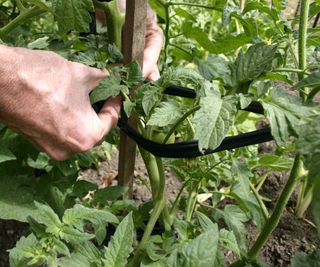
column 313, row 93
column 174, row 127
column 299, row 71
column 194, row 5
column 263, row 208
column 159, row 204
column 23, row 17
column 303, row 28
column 272, row 222
column 276, row 215
column 21, row 7
column 166, row 36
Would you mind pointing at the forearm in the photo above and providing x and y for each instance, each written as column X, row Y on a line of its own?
column 9, row 59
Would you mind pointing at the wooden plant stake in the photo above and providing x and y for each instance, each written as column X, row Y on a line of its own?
column 133, row 41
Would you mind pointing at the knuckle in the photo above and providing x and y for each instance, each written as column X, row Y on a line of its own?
column 80, row 141
column 58, row 155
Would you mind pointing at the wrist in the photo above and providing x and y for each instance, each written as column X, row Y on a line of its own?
column 8, row 67
column 9, row 82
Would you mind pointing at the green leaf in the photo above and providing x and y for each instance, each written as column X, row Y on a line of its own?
column 221, row 45
column 213, row 120
column 201, row 252
column 183, row 229
column 78, row 214
column 6, row 154
column 229, row 241
column 60, row 247
column 256, row 61
column 74, row 236
column 316, row 204
column 166, row 114
column 304, row 260
column 110, row 193
column 73, row 15
column 159, row 8
column 313, row 80
column 120, row 246
column 49, row 218
column 89, row 251
column 214, row 68
column 229, row 43
column 134, row 73
column 283, row 112
column 41, row 4
column 308, row 144
column 241, row 188
column 128, row 106
column 235, row 218
column 185, row 14
column 16, row 200
column 205, row 221
column 17, row 258
column 81, row 188
column 108, row 87
column 75, row 260
column 41, row 162
column 253, row 5
column 151, row 97
column 271, row 162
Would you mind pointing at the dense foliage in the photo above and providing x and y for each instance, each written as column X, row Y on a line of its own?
column 231, row 53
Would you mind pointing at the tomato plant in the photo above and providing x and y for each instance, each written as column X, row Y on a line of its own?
column 231, row 54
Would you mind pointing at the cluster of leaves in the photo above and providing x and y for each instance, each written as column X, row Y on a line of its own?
column 67, row 242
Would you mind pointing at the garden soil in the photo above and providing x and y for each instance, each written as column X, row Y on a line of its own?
column 292, row 235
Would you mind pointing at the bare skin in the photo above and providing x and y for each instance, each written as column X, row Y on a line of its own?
column 46, row 97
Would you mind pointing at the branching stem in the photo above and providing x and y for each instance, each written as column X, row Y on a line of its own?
column 186, row 115
column 23, row 16
column 272, row 222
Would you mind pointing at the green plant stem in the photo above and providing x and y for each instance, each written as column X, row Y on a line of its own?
column 304, row 198
column 272, row 222
column 180, row 48
column 192, row 201
column 291, row 70
column 20, row 6
column 20, row 19
column 175, row 126
column 261, row 181
column 293, row 53
column 115, row 22
column 303, row 28
column 152, row 169
column 313, row 93
column 263, row 208
column 175, row 204
column 166, row 36
column 276, row 215
column 194, row 5
column 159, row 201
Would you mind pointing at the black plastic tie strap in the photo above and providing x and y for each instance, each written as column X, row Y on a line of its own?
column 190, row 149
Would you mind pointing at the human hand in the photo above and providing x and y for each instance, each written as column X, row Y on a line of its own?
column 153, row 45
column 46, row 98
column 153, row 42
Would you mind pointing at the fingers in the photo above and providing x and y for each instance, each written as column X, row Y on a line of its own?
column 153, row 45
column 89, row 77
column 155, row 75
column 109, row 114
